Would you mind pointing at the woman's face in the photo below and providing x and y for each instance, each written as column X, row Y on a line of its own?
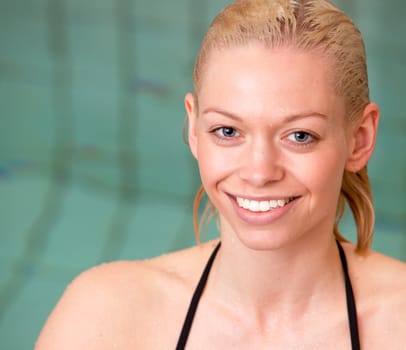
column 271, row 143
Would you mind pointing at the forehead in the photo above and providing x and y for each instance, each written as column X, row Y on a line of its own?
column 256, row 77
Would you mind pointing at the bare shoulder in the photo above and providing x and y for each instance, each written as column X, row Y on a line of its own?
column 378, row 272
column 380, row 288
column 119, row 304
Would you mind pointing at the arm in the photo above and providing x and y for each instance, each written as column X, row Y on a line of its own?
column 86, row 315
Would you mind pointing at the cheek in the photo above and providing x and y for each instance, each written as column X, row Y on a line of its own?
column 208, row 161
column 320, row 172
column 214, row 164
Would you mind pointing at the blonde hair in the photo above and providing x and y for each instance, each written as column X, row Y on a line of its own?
column 307, row 25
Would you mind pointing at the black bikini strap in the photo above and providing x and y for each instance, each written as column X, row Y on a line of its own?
column 195, row 301
column 351, row 307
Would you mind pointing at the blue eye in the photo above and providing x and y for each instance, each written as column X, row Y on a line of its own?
column 226, row 132
column 301, row 137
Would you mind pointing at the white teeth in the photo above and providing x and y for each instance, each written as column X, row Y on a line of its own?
column 254, row 206
column 263, row 206
column 257, row 206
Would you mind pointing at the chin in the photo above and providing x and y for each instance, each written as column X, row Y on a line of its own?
column 265, row 241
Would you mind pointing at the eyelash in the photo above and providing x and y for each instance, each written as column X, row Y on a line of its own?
column 219, row 133
column 310, row 138
column 304, row 143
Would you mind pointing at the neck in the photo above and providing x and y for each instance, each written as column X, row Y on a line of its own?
column 289, row 280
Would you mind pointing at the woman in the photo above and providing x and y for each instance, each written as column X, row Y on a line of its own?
column 282, row 129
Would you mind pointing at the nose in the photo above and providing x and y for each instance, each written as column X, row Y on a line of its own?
column 261, row 163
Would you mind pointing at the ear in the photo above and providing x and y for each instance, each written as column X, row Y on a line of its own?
column 363, row 138
column 191, row 110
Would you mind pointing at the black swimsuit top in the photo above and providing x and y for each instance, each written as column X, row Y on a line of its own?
column 351, row 308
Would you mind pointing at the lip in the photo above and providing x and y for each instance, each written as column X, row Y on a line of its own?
column 262, row 218
column 261, row 198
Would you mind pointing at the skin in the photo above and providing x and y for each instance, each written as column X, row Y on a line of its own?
column 263, row 160
column 277, row 280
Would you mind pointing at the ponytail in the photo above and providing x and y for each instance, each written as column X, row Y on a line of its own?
column 356, row 191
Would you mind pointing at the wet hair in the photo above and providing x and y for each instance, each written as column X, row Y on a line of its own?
column 309, row 25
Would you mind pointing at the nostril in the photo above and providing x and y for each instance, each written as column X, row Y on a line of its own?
column 261, row 175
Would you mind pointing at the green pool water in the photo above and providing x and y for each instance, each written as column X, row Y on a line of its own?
column 92, row 163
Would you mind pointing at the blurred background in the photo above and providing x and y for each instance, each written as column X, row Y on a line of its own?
column 92, row 163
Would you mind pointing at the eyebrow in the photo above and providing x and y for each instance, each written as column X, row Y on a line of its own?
column 222, row 112
column 289, row 118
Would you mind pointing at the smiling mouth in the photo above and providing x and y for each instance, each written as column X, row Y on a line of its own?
column 263, row 206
